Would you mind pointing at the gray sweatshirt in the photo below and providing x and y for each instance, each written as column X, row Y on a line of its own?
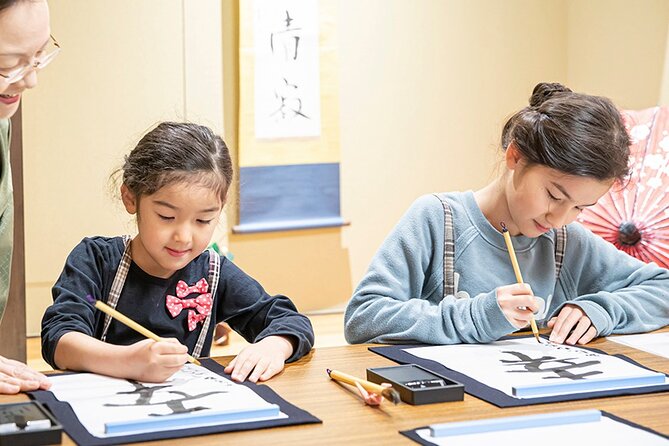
column 400, row 299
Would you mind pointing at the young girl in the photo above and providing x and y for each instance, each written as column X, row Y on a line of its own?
column 176, row 181
column 444, row 276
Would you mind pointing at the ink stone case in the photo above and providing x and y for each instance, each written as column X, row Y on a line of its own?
column 417, row 385
column 29, row 423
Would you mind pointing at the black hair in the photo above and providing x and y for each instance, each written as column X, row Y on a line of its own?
column 5, row 4
column 175, row 152
column 574, row 133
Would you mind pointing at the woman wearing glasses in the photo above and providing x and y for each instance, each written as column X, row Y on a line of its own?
column 26, row 46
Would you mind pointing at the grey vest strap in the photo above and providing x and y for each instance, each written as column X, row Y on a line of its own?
column 449, row 248
column 560, row 248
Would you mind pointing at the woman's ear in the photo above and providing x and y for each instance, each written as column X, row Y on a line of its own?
column 512, row 156
column 129, row 200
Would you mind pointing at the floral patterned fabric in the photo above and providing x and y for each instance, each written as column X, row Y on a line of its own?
column 635, row 218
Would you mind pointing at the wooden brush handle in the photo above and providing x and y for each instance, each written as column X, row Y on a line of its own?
column 134, row 325
column 350, row 379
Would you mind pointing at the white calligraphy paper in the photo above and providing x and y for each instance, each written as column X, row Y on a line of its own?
column 506, row 364
column 287, row 69
column 606, row 431
column 655, row 343
column 97, row 399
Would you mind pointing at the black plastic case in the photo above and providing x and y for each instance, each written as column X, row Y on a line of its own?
column 21, row 415
column 417, row 385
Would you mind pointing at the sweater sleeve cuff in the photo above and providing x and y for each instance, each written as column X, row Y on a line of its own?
column 301, row 344
column 50, row 342
column 489, row 317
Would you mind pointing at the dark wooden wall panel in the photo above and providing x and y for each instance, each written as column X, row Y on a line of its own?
column 13, row 326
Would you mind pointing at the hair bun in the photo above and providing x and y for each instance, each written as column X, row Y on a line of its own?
column 546, row 90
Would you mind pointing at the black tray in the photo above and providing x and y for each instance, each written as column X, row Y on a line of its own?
column 417, row 385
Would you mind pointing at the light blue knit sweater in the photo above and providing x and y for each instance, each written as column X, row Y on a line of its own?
column 400, row 298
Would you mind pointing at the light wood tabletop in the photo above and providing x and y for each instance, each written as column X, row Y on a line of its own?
column 346, row 420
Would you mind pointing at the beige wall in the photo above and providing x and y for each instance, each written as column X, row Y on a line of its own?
column 424, row 90
column 125, row 65
column 616, row 48
column 664, row 88
column 424, row 87
column 437, row 82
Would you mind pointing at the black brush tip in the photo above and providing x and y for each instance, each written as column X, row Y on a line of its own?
column 391, row 395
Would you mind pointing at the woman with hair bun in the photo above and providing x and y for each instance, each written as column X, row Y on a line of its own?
column 443, row 275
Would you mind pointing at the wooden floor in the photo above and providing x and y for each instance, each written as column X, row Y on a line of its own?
column 329, row 329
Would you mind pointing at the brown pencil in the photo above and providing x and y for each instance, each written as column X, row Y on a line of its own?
column 387, row 392
column 130, row 323
column 516, row 269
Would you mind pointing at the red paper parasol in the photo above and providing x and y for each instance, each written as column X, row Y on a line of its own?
column 636, row 218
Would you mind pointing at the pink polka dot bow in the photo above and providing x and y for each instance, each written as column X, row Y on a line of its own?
column 202, row 303
column 194, row 318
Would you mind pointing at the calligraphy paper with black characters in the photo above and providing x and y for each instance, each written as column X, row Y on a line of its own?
column 87, row 404
column 287, row 72
column 491, row 371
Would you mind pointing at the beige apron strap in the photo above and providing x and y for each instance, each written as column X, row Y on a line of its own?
column 118, row 283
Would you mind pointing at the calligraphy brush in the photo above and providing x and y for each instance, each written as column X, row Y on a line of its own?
column 387, row 392
column 129, row 322
column 516, row 269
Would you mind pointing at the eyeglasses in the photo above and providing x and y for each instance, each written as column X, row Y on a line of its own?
column 44, row 58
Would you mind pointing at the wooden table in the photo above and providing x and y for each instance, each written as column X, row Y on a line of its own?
column 346, row 420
